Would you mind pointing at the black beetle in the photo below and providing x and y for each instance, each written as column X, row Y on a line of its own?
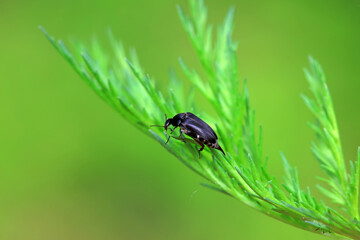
column 195, row 128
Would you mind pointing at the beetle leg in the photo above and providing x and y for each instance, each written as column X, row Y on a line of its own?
column 181, row 135
column 173, row 130
column 202, row 146
column 170, row 135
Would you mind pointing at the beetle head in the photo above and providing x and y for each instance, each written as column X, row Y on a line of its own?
column 167, row 123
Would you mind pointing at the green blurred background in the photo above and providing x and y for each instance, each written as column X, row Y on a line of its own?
column 72, row 168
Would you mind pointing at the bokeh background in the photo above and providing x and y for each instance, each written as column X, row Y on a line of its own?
column 72, row 168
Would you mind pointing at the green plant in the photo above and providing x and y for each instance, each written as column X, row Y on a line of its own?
column 242, row 173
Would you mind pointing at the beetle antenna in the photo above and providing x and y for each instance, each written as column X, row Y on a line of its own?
column 156, row 126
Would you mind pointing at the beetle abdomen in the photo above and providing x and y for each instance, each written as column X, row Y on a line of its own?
column 211, row 143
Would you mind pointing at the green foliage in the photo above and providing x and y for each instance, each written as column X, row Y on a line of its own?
column 344, row 188
column 120, row 81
